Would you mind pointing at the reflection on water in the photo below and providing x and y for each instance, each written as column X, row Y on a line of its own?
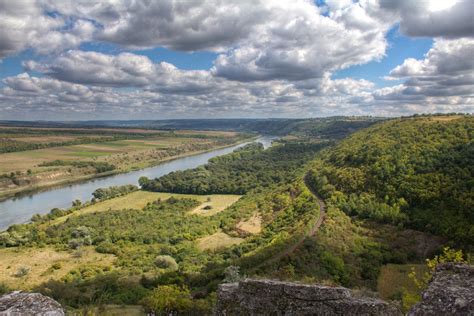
column 20, row 209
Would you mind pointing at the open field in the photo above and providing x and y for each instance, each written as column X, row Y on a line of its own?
column 218, row 240
column 393, row 280
column 40, row 261
column 447, row 118
column 30, row 159
column 214, row 203
column 252, row 226
column 28, row 155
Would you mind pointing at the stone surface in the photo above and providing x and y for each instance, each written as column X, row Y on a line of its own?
column 450, row 292
column 265, row 297
column 24, row 304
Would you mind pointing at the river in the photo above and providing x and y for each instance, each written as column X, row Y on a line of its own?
column 20, row 209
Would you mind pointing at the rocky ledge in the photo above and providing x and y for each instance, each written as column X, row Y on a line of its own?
column 265, row 297
column 24, row 304
column 450, row 292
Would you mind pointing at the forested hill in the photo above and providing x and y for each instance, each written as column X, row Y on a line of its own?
column 417, row 172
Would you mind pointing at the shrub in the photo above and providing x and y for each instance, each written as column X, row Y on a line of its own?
column 56, row 266
column 168, row 300
column 22, row 271
column 232, row 274
column 166, row 262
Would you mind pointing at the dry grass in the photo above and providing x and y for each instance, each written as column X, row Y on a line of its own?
column 217, row 241
column 39, row 262
column 46, row 139
column 393, row 278
column 217, row 203
column 446, row 118
column 252, row 226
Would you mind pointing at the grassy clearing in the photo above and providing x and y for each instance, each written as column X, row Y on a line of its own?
column 44, row 139
column 214, row 203
column 393, row 279
column 446, row 118
column 40, row 263
column 138, row 200
column 217, row 241
column 252, row 226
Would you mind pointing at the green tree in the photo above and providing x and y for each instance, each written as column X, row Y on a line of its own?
column 168, row 299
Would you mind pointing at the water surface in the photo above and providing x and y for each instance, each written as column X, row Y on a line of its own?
column 21, row 209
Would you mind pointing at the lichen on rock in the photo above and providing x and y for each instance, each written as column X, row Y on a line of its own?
column 24, row 304
column 266, row 297
column 450, row 292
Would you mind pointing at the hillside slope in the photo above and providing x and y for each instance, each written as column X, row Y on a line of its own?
column 416, row 172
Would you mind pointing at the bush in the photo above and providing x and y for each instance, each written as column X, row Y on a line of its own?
column 232, row 274
column 168, row 300
column 166, row 262
column 22, row 272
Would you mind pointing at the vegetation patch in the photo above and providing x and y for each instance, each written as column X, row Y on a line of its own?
column 26, row 268
column 214, row 204
column 218, row 241
column 253, row 225
column 394, row 281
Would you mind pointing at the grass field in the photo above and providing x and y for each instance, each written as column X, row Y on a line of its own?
column 39, row 262
column 138, row 200
column 393, row 280
column 215, row 203
column 32, row 158
column 252, row 226
column 217, row 241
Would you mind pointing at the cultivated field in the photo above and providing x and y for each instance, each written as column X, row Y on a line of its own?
column 32, row 158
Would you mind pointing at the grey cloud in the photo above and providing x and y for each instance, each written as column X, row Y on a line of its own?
column 418, row 19
column 124, row 69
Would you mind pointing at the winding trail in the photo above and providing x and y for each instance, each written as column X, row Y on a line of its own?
column 312, row 231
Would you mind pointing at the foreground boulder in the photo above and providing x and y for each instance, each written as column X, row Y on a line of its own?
column 265, row 297
column 23, row 304
column 450, row 292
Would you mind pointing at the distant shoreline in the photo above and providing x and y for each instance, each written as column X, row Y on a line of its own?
column 21, row 192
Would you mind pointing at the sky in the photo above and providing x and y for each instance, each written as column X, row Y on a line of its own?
column 140, row 59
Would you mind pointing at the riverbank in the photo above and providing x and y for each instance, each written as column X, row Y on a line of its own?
column 45, row 186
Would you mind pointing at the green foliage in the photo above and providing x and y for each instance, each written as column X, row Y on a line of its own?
column 99, row 166
column 245, row 169
column 174, row 300
column 93, row 286
column 414, row 171
column 113, row 191
column 166, row 262
column 421, row 282
column 4, row 289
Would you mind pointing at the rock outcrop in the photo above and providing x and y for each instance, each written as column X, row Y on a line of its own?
column 450, row 292
column 264, row 297
column 24, row 304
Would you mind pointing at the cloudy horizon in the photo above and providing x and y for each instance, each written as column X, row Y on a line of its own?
column 126, row 59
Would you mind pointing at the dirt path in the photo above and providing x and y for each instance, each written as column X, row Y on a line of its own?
column 312, row 231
